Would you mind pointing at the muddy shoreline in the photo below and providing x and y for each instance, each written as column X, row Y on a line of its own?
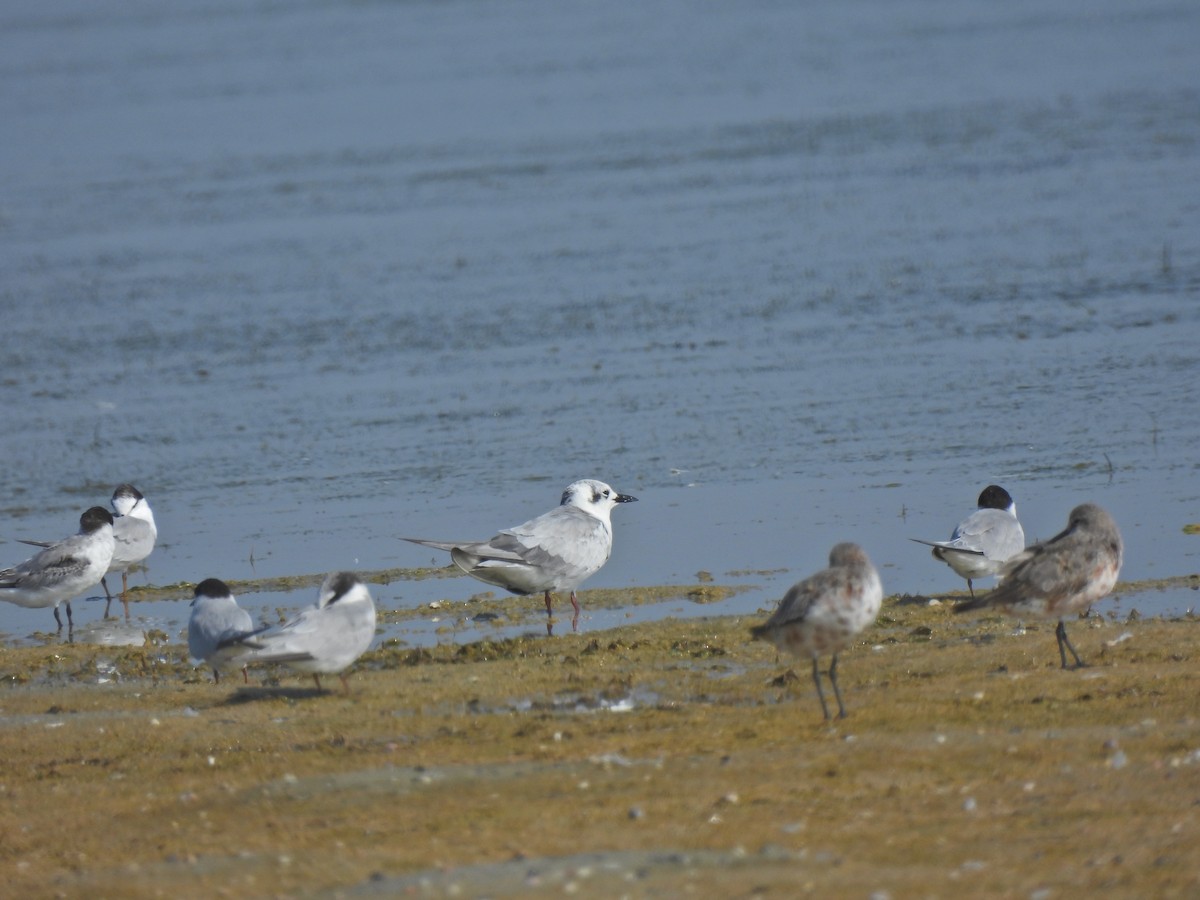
column 660, row 758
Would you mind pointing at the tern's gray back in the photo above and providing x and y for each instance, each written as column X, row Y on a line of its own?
column 996, row 532
column 331, row 637
column 213, row 620
column 567, row 542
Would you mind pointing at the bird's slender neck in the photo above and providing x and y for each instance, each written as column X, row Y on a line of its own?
column 603, row 513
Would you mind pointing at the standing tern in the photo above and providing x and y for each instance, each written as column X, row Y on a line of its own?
column 134, row 532
column 216, row 626
column 324, row 639
column 985, row 540
column 64, row 569
column 557, row 551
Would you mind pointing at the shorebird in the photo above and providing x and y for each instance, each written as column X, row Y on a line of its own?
column 324, row 639
column 1063, row 575
column 557, row 551
column 134, row 532
column 823, row 613
column 215, row 627
column 985, row 540
column 64, row 568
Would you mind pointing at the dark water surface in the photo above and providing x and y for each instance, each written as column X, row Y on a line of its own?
column 317, row 275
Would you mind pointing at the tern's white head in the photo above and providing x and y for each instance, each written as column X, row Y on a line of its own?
column 343, row 588
column 594, row 497
column 128, row 501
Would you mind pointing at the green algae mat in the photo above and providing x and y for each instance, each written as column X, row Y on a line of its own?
column 676, row 758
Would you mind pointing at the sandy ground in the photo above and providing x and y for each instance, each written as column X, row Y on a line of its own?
column 675, row 758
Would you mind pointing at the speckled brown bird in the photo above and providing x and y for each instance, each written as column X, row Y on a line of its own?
column 1063, row 575
column 824, row 612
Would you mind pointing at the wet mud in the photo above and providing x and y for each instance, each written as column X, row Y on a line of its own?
column 661, row 758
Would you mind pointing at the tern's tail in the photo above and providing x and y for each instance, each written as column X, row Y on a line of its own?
column 759, row 632
column 436, row 545
column 242, row 639
column 940, row 548
column 261, row 656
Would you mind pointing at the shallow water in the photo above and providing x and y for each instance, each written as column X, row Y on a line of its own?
column 318, row 276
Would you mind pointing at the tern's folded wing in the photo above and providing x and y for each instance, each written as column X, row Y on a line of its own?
column 566, row 534
column 54, row 565
column 440, row 545
column 995, row 531
column 949, row 546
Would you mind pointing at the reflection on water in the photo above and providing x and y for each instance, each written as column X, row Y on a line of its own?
column 793, row 276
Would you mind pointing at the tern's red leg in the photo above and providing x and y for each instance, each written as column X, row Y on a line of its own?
column 575, row 618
